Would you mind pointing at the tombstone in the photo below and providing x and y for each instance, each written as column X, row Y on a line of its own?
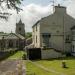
column 64, row 64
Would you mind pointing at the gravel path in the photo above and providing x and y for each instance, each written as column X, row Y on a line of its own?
column 11, row 66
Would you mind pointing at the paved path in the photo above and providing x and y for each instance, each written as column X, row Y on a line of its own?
column 11, row 66
column 46, row 69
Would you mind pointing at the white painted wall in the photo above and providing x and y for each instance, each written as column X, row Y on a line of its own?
column 59, row 26
column 47, row 54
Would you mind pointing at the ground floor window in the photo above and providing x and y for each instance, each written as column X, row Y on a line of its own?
column 17, row 43
column 73, row 47
column 46, row 39
column 10, row 43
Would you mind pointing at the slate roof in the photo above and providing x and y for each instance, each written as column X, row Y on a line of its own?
column 48, row 15
column 3, row 35
column 36, row 23
column 20, row 36
column 12, row 36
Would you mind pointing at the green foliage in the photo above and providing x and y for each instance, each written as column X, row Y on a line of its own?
column 1, row 32
column 28, row 35
column 17, row 55
column 6, row 54
column 11, row 4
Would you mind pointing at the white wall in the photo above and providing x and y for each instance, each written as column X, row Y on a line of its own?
column 58, row 25
column 47, row 54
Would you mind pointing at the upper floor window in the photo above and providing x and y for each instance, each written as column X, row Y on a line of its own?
column 36, row 27
column 73, row 32
column 68, row 39
column 33, row 29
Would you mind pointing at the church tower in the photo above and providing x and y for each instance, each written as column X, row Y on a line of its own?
column 20, row 28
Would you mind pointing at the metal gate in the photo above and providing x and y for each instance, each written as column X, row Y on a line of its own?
column 34, row 53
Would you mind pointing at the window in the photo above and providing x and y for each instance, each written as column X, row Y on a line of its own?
column 46, row 39
column 72, row 48
column 20, row 29
column 10, row 43
column 57, row 31
column 1, row 44
column 36, row 39
column 33, row 29
column 46, row 35
column 17, row 43
column 73, row 32
column 36, row 27
column 68, row 39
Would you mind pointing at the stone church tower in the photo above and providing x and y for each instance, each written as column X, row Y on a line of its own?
column 20, row 28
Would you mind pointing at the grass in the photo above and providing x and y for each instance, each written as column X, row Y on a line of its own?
column 55, row 65
column 17, row 55
column 34, row 70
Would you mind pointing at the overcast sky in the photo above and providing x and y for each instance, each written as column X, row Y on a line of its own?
column 33, row 10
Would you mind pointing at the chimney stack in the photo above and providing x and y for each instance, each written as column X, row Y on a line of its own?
column 60, row 9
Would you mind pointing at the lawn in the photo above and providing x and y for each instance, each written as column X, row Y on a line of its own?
column 17, row 55
column 34, row 70
column 55, row 65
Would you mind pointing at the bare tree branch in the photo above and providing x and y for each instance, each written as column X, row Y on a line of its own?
column 10, row 4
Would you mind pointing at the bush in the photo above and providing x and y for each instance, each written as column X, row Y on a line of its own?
column 6, row 54
column 24, row 57
column 68, row 54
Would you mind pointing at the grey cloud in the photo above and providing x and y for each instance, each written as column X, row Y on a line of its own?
column 30, row 14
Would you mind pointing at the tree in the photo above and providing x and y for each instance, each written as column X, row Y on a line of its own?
column 28, row 35
column 10, row 4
